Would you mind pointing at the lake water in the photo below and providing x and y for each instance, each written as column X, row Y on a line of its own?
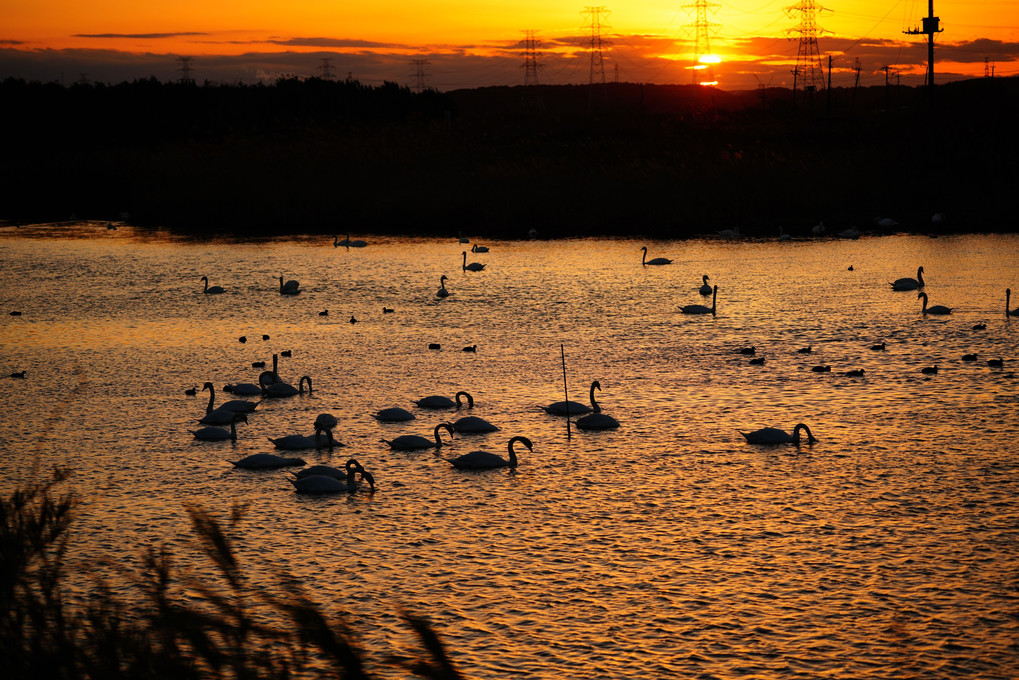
column 667, row 548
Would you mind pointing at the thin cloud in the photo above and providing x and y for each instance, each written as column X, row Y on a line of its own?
column 139, row 36
column 333, row 42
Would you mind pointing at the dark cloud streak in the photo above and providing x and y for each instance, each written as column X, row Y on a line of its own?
column 138, row 36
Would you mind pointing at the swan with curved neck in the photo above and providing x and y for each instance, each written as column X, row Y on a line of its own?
column 574, row 408
column 705, row 288
column 1008, row 296
column 413, row 442
column 773, row 435
column 908, row 283
column 235, row 405
column 936, row 309
column 701, row 309
column 486, row 459
column 212, row 290
column 282, row 389
column 358, row 243
column 291, row 287
column 658, row 260
column 479, row 249
column 323, row 438
column 218, row 434
column 326, row 479
column 473, row 266
column 438, row 401
column 442, row 292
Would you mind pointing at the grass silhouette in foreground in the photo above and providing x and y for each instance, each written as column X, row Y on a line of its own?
column 174, row 625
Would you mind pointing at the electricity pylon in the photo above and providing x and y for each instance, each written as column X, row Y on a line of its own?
column 596, row 42
column 531, row 65
column 809, row 69
column 702, row 57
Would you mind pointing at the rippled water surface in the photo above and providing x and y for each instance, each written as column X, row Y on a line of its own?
column 667, row 548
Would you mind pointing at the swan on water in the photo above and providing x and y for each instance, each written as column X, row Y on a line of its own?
column 936, row 309
column 322, row 469
column 818, row 229
column 658, row 260
column 211, row 290
column 597, row 421
column 323, row 438
column 243, row 389
column 266, row 460
column 851, row 233
column 908, row 283
column 773, row 435
column 574, row 408
column 729, row 233
column 235, row 405
column 393, row 415
column 1008, row 297
column 413, row 442
column 486, row 459
column 473, row 425
column 701, row 309
column 438, row 401
column 218, row 434
column 705, row 288
column 330, row 484
column 479, row 249
column 290, row 287
column 442, row 292
column 473, row 266
column 281, row 389
column 357, row 243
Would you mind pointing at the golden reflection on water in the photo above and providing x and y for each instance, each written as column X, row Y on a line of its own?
column 666, row 547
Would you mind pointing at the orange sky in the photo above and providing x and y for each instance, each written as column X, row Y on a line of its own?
column 471, row 44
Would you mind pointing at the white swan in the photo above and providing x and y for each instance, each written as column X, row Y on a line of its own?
column 936, row 309
column 818, row 229
column 438, row 401
column 442, row 292
column 574, row 408
column 290, row 287
column 658, row 260
column 218, row 434
column 473, row 425
column 473, row 266
column 394, row 415
column 705, row 289
column 413, row 442
column 908, row 283
column 479, row 249
column 266, row 460
column 1008, row 297
column 729, row 233
column 773, row 435
column 357, row 243
column 486, row 459
column 281, row 389
column 701, row 309
column 851, row 233
column 211, row 290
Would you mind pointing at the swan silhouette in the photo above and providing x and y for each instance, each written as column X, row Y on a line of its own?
column 729, row 233
column 473, row 425
column 413, row 442
column 658, row 260
column 473, row 266
column 486, row 459
column 705, row 289
column 235, row 405
column 438, row 401
column 701, row 309
column 218, row 434
column 323, row 438
column 266, row 460
column 773, row 435
column 358, row 243
column 290, row 287
column 442, row 292
column 1008, row 297
column 211, row 290
column 281, row 389
column 936, row 309
column 479, row 249
column 908, row 283
column 597, row 420
column 394, row 415
column 574, row 408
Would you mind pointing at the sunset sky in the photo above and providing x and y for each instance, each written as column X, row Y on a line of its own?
column 479, row 43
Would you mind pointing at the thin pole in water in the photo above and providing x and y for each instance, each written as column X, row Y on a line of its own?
column 566, row 392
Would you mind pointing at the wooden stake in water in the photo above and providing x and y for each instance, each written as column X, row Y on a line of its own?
column 566, row 392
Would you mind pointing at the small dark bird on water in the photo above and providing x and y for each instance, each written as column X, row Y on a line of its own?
column 850, row 267
column 805, row 350
column 15, row 313
column 434, row 345
column 258, row 364
column 18, row 375
column 997, row 363
column 353, row 320
column 748, row 350
column 855, row 373
column 471, row 348
column 980, row 327
column 388, row 310
column 758, row 361
column 286, row 353
column 324, row 312
column 821, row 369
column 929, row 370
column 191, row 391
column 242, row 339
column 969, row 357
column 880, row 347
column 265, row 337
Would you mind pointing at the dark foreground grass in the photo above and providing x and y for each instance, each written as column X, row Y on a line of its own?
column 151, row 629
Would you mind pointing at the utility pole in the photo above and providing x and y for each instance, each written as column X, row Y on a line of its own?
column 930, row 28
column 702, row 57
column 885, row 69
column 531, row 54
column 808, row 57
column 596, row 42
column 420, row 74
column 856, row 83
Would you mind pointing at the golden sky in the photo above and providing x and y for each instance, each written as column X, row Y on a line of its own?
column 471, row 44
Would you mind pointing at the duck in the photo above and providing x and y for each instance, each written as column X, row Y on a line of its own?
column 290, row 287
column 486, row 459
column 701, row 309
column 821, row 369
column 805, row 350
column 747, row 350
column 854, row 373
column 191, row 391
column 438, row 401
column 394, row 415
column 265, row 461
column 258, row 364
column 936, row 309
column 995, row 363
column 211, row 290
column 413, row 442
column 281, row 389
column 473, row 266
column 879, row 347
column 574, row 408
column 705, row 289
column 656, row 261
column 434, row 345
column 388, row 310
column 324, row 312
column 969, row 357
column 1008, row 297
column 479, row 249
column 265, row 336
column 773, row 435
column 757, row 361
column 287, row 353
column 218, row 434
column 357, row 243
column 442, row 292
column 930, row 370
column 353, row 319
column 473, row 425
column 980, row 327
column 470, row 348
column 908, row 283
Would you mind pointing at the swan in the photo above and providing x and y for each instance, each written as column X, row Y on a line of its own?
column 936, row 309
column 323, row 438
column 574, row 408
column 773, row 435
column 327, row 470
column 705, row 289
column 597, row 421
column 357, row 243
column 658, row 260
column 393, row 415
column 479, row 249
column 473, row 266
column 886, row 222
column 211, row 290
column 473, row 425
column 485, row 459
column 327, row 421
column 290, row 287
column 412, row 442
column 281, row 389
column 438, row 401
column 1008, row 297
column 442, row 292
column 729, row 233
column 782, row 236
column 235, row 405
column 266, row 460
column 218, row 434
column 851, row 232
column 701, row 309
column 907, row 283
column 818, row 229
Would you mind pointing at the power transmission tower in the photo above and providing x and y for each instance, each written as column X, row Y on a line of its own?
column 531, row 54
column 185, row 71
column 326, row 68
column 808, row 58
column 930, row 29
column 420, row 74
column 702, row 56
column 596, row 43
